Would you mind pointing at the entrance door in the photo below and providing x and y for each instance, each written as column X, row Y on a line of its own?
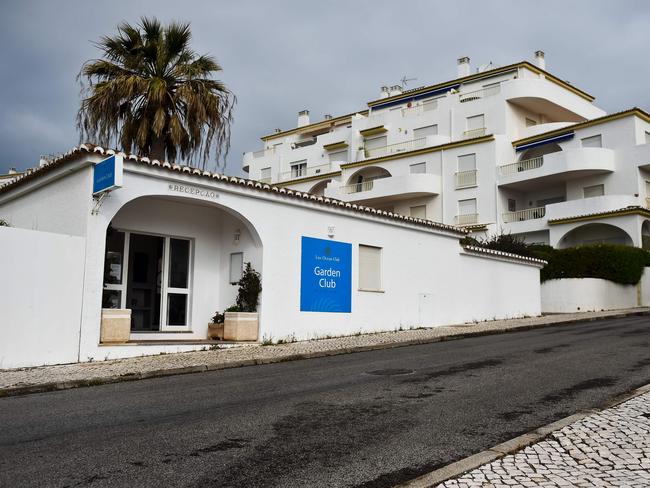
column 144, row 284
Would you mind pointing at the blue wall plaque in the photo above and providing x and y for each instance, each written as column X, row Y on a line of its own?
column 107, row 174
column 325, row 276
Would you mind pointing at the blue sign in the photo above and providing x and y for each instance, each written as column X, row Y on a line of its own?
column 325, row 276
column 107, row 174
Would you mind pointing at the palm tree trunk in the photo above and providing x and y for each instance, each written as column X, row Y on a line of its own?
column 157, row 150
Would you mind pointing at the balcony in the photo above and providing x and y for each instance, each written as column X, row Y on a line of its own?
column 521, row 215
column 385, row 188
column 472, row 133
column 466, row 179
column 395, row 148
column 479, row 94
column 593, row 205
column 466, row 219
column 419, row 109
column 556, row 167
column 297, row 173
column 251, row 157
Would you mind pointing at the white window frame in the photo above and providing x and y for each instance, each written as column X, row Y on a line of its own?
column 165, row 289
column 230, row 268
column 300, row 168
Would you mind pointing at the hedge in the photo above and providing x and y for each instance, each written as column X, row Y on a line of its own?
column 617, row 263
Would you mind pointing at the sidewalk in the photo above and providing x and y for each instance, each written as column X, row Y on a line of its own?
column 609, row 448
column 48, row 378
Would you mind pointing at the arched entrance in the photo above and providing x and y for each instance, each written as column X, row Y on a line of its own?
column 174, row 261
column 362, row 179
column 596, row 233
column 645, row 235
column 319, row 188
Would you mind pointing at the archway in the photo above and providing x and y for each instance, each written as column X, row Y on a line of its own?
column 596, row 233
column 539, row 151
column 319, row 188
column 174, row 261
column 645, row 235
column 361, row 180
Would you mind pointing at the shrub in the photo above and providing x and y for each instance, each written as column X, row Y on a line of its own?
column 217, row 318
column 250, row 287
column 4, row 223
column 500, row 242
column 617, row 263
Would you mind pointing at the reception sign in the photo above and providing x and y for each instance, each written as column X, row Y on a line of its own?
column 107, row 174
column 325, row 276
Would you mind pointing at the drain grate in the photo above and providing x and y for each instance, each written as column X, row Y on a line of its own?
column 390, row 372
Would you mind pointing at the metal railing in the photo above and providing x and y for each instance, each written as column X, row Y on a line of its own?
column 523, row 165
column 365, row 185
column 395, row 148
column 304, row 172
column 479, row 94
column 528, row 214
column 467, row 219
column 466, row 178
column 470, row 134
column 419, row 109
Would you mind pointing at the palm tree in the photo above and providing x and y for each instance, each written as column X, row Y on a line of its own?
column 153, row 95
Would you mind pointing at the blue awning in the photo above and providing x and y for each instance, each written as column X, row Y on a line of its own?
column 549, row 140
column 419, row 96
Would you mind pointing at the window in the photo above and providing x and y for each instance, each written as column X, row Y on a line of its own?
column 236, row 267
column 594, row 191
column 512, row 205
column 338, row 156
column 466, row 162
column 429, row 130
column 369, row 268
column 375, row 142
column 265, row 174
column 647, row 137
column 467, row 207
column 418, row 168
column 530, row 122
column 178, row 282
column 476, row 122
column 418, row 212
column 298, row 169
column 593, row 141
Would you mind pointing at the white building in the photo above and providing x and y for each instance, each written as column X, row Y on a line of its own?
column 512, row 149
column 169, row 242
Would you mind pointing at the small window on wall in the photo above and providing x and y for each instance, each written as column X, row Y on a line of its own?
column 369, row 268
column 466, row 162
column 418, row 168
column 594, row 191
column 419, row 212
column 375, row 142
column 467, row 207
column 299, row 169
column 338, row 156
column 236, row 267
column 265, row 174
column 476, row 122
column 593, row 141
column 429, row 130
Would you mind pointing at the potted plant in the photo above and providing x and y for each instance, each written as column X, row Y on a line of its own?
column 215, row 327
column 241, row 323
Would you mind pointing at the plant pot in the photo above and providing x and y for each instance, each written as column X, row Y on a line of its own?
column 115, row 326
column 215, row 331
column 241, row 326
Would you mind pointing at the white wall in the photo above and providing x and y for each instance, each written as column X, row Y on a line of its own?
column 586, row 294
column 40, row 297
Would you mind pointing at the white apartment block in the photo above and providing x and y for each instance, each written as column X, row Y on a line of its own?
column 508, row 149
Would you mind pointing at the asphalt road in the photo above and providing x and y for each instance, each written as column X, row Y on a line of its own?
column 359, row 420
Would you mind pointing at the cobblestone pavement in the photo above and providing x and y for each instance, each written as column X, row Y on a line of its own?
column 610, row 448
column 215, row 359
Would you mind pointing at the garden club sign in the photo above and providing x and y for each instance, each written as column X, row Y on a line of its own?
column 107, row 174
column 325, row 276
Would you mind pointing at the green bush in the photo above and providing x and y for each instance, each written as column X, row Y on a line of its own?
column 250, row 287
column 500, row 242
column 617, row 263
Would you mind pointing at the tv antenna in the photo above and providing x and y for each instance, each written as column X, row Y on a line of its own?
column 405, row 81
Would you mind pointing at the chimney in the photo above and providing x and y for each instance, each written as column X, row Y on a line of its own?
column 328, row 117
column 303, row 118
column 464, row 68
column 395, row 90
column 385, row 92
column 12, row 171
column 539, row 59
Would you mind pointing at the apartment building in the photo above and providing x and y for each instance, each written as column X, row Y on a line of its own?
column 503, row 149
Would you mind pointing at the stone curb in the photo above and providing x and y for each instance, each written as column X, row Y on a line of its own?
column 104, row 380
column 511, row 446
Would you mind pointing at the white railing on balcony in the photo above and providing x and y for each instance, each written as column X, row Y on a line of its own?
column 528, row 214
column 479, row 94
column 466, row 178
column 419, row 109
column 396, row 148
column 366, row 185
column 472, row 133
column 467, row 219
column 264, row 152
column 523, row 165
column 304, row 172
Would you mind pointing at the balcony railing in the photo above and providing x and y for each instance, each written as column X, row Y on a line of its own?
column 523, row 165
column 395, row 148
column 299, row 144
column 479, row 94
column 466, row 179
column 419, row 109
column 365, row 185
column 528, row 214
column 467, row 219
column 304, row 172
column 472, row 133
column 264, row 152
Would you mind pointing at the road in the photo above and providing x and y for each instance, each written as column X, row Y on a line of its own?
column 364, row 420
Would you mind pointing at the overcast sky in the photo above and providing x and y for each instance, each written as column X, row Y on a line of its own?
column 280, row 57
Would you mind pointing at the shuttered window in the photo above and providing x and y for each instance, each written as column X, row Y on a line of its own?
column 467, row 162
column 339, row 156
column 476, row 122
column 369, row 268
column 429, row 130
column 418, row 168
column 419, row 212
column 375, row 142
column 467, row 207
column 594, row 191
column 593, row 141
